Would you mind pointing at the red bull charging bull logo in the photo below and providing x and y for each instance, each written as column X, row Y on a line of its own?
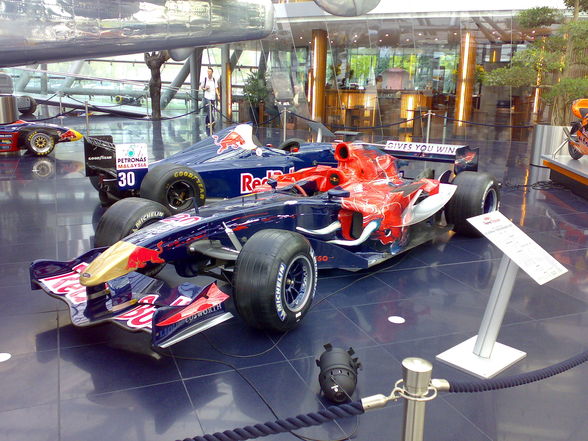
column 142, row 256
column 240, row 137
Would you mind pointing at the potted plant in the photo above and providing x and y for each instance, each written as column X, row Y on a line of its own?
column 255, row 91
column 555, row 64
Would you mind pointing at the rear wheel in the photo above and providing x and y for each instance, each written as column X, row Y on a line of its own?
column 174, row 186
column 477, row 193
column 39, row 143
column 275, row 280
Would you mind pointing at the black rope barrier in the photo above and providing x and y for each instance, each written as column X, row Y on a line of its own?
column 481, row 124
column 519, row 379
column 285, row 425
column 46, row 99
column 52, row 117
column 269, row 120
column 361, row 127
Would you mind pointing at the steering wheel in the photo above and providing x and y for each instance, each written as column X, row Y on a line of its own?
column 300, row 190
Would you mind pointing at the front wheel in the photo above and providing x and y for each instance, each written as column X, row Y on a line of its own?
column 125, row 217
column 40, row 143
column 275, row 280
column 477, row 193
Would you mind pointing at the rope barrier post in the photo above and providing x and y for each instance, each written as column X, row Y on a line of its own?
column 429, row 113
column 416, row 374
column 60, row 106
column 284, row 127
column 87, row 118
column 444, row 128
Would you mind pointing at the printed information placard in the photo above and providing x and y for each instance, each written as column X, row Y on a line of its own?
column 131, row 164
column 519, row 247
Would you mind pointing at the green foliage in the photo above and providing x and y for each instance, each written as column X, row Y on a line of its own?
column 538, row 17
column 255, row 88
column 582, row 3
column 578, row 33
column 539, row 58
column 362, row 66
column 569, row 89
column 515, row 76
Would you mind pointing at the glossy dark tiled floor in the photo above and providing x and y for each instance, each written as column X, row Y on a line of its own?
column 64, row 383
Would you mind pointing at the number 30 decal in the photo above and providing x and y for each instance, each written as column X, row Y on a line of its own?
column 126, row 179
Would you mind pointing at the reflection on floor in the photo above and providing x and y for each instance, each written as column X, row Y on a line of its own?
column 64, row 383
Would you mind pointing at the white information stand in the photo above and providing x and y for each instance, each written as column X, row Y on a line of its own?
column 481, row 355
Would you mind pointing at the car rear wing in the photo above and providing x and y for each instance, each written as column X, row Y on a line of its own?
column 127, row 163
column 462, row 156
column 99, row 155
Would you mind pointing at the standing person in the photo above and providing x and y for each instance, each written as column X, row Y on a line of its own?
column 210, row 88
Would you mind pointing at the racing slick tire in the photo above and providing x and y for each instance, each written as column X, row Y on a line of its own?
column 39, row 143
column 292, row 143
column 125, row 217
column 173, row 186
column 477, row 193
column 274, row 280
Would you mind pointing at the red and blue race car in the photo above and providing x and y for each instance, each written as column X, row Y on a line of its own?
column 264, row 247
column 38, row 138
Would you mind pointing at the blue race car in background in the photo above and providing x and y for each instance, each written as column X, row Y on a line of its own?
column 228, row 164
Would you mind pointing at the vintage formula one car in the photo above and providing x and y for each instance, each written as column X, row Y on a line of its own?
column 578, row 144
column 265, row 247
column 37, row 138
column 228, row 164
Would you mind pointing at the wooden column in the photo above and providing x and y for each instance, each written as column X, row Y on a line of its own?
column 465, row 79
column 319, row 74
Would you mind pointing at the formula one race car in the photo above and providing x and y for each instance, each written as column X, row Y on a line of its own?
column 578, row 144
column 37, row 138
column 267, row 245
column 228, row 164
